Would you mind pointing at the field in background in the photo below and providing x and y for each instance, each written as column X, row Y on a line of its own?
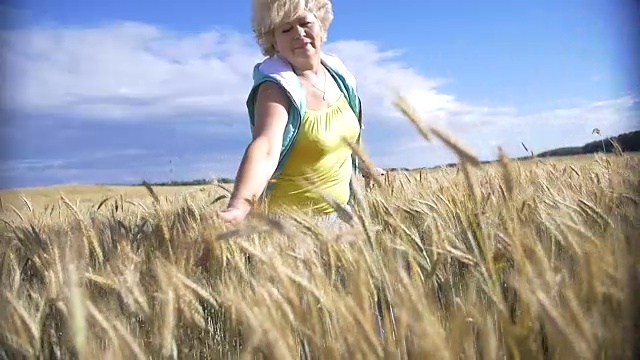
column 86, row 195
column 525, row 260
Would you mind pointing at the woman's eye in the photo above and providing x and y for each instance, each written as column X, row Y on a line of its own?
column 302, row 24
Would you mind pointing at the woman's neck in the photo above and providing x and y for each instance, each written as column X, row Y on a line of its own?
column 311, row 69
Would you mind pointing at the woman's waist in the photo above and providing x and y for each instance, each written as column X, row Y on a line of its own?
column 319, row 211
column 315, row 200
column 305, row 187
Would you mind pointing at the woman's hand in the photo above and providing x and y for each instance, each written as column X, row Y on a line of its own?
column 237, row 209
column 235, row 214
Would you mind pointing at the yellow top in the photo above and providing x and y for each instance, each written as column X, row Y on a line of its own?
column 319, row 161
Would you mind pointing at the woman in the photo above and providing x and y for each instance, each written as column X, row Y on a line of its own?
column 302, row 105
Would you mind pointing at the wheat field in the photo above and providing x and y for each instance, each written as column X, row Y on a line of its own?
column 516, row 260
column 511, row 260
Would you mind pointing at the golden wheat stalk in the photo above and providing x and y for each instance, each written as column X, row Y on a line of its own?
column 426, row 131
column 89, row 236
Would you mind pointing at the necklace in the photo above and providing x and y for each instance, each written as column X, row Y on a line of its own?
column 324, row 86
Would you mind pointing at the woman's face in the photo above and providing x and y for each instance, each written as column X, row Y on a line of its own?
column 300, row 39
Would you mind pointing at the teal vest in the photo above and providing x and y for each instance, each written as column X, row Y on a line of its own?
column 279, row 71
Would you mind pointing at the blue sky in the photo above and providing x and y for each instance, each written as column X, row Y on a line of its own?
column 120, row 91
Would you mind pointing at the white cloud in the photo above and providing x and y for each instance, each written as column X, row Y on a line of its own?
column 138, row 72
column 127, row 71
column 570, row 126
column 26, row 165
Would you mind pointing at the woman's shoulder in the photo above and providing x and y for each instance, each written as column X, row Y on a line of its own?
column 272, row 65
column 332, row 59
column 337, row 65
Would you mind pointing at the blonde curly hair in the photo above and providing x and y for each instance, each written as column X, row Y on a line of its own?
column 268, row 14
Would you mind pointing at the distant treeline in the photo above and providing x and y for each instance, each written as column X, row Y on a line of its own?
column 627, row 142
column 191, row 182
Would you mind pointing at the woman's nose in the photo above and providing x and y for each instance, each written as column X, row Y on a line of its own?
column 298, row 31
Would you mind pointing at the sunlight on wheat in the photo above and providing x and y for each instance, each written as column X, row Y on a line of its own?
column 514, row 259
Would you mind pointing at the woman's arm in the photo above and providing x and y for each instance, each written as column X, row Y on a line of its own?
column 261, row 156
